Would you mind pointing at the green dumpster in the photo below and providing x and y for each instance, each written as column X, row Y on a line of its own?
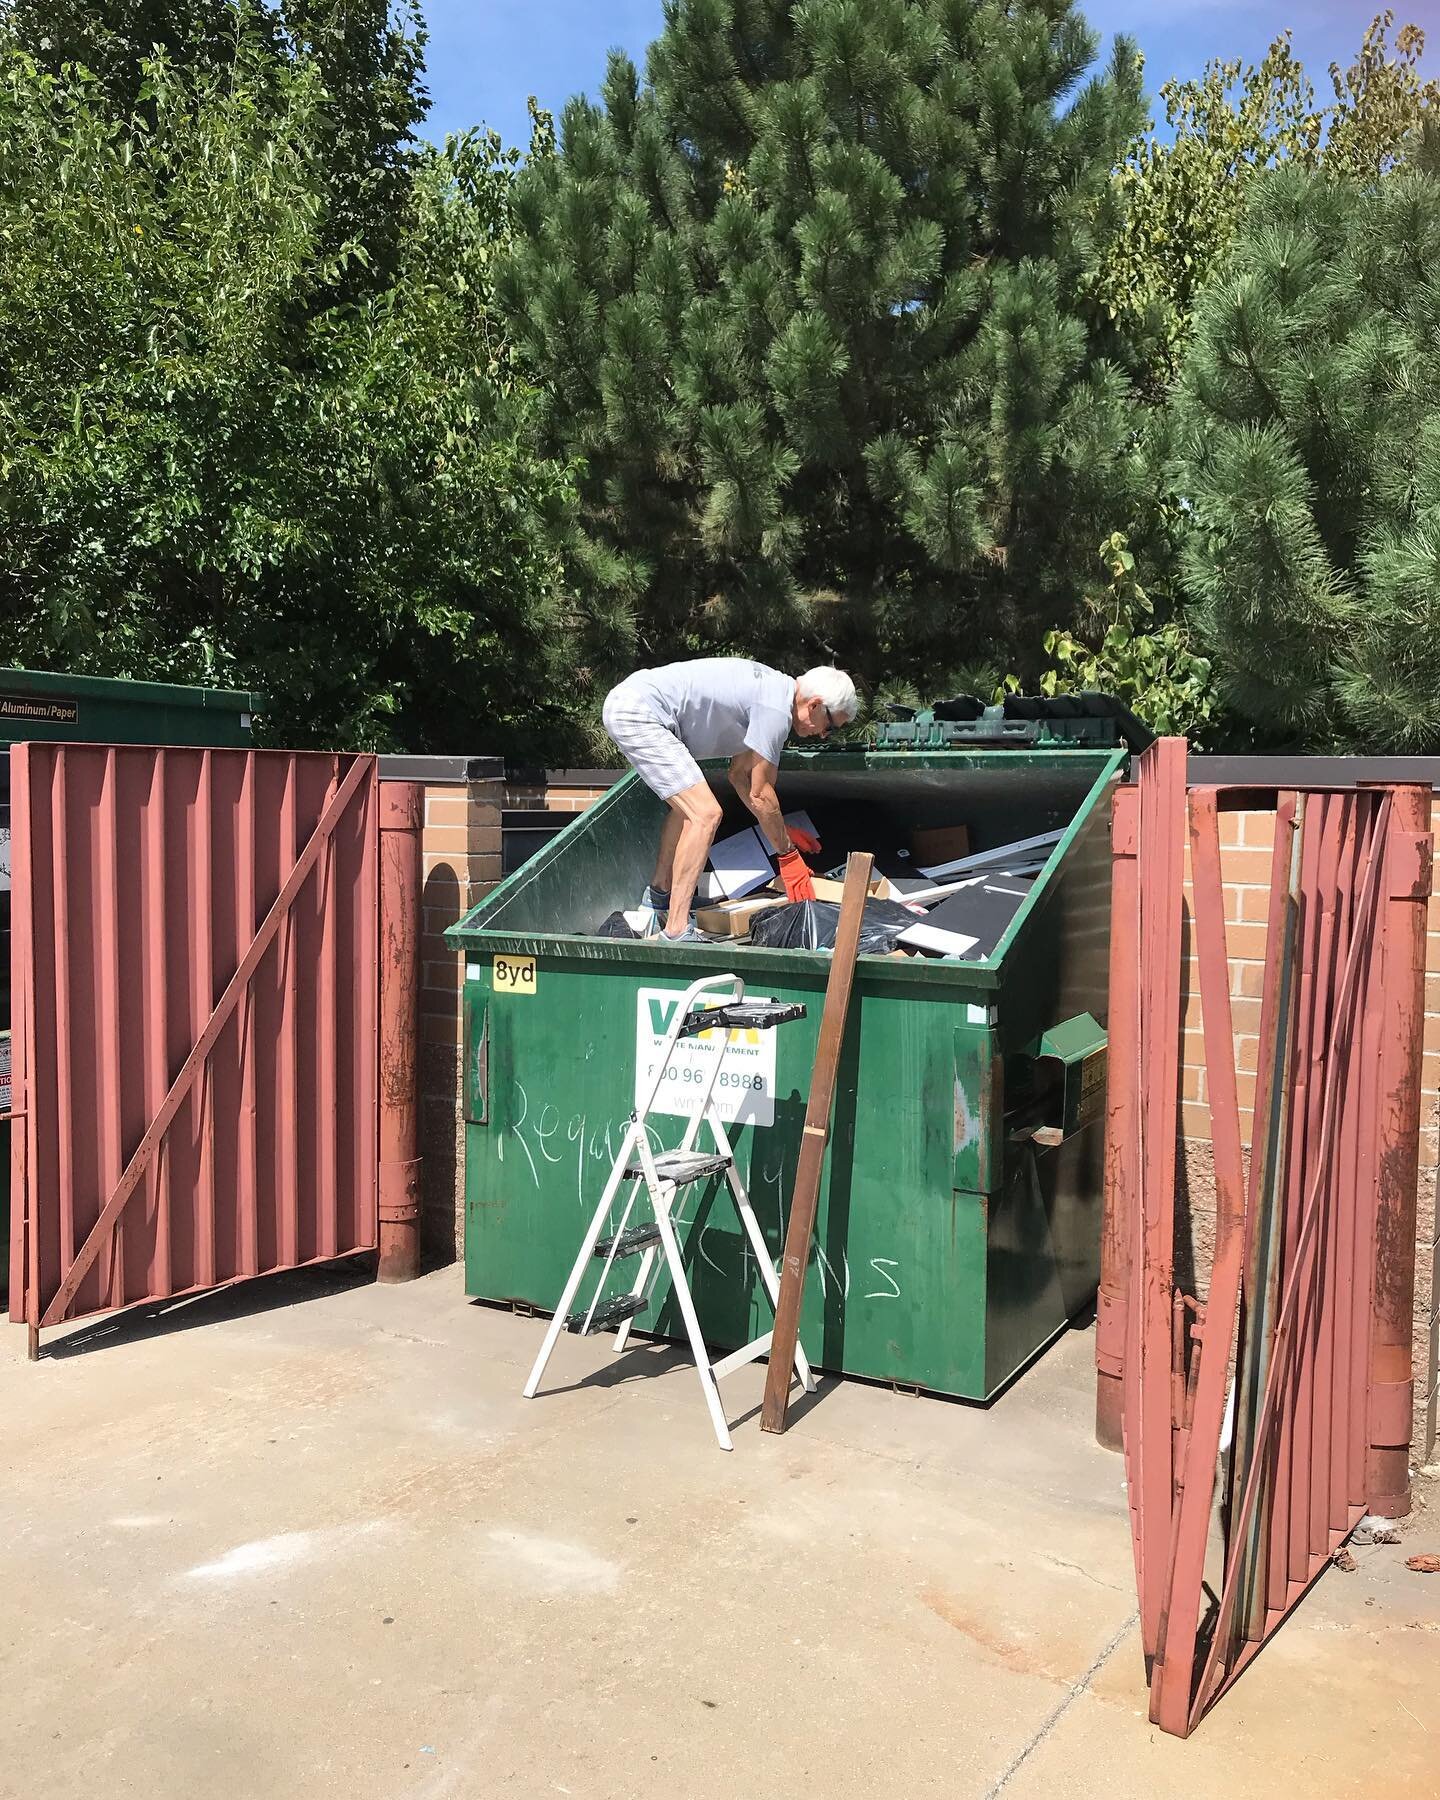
column 959, row 1218
column 90, row 709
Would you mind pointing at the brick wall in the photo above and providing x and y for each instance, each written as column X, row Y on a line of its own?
column 1246, row 843
column 557, row 790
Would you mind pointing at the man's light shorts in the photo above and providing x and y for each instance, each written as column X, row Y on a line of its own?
column 654, row 751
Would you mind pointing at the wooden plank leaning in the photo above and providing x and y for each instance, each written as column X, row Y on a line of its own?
column 806, row 1196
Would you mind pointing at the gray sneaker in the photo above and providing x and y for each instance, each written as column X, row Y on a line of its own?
column 692, row 934
column 648, row 919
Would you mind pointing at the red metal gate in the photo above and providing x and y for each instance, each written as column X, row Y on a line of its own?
column 1304, row 1335
column 194, row 949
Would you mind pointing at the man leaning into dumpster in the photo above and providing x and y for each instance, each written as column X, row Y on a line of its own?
column 664, row 721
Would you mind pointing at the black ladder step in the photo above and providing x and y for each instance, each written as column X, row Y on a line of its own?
column 609, row 1312
column 740, row 1015
column 626, row 1243
column 682, row 1166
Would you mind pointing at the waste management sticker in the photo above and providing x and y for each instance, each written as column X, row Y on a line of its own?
column 744, row 1087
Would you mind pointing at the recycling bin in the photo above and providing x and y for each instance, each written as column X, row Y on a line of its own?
column 959, row 1218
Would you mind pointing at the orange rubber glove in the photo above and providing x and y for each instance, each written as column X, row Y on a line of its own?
column 806, row 841
column 799, row 884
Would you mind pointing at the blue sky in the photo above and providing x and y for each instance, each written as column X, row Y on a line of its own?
column 485, row 56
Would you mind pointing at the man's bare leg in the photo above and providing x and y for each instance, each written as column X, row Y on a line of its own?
column 669, row 840
column 699, row 814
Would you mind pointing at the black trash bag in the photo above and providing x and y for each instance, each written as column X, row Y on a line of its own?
column 1136, row 736
column 812, row 924
column 962, row 710
column 616, row 926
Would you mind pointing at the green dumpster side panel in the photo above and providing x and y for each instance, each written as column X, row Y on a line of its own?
column 945, row 1256
column 883, row 1268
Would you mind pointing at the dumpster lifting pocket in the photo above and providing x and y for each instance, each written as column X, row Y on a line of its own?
column 477, row 1058
column 979, row 1102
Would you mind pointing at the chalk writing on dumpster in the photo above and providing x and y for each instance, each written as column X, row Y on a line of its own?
column 745, row 1086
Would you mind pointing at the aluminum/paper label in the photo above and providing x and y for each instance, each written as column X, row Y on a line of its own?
column 744, row 1089
column 4, row 1071
column 41, row 709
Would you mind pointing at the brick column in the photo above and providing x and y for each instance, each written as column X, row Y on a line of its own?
column 460, row 845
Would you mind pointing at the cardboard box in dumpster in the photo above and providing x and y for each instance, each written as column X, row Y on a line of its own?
column 734, row 918
column 939, row 844
column 878, row 889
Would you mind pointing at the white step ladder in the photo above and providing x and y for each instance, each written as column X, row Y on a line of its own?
column 662, row 1176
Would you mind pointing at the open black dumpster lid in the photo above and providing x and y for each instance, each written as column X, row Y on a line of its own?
column 1020, row 721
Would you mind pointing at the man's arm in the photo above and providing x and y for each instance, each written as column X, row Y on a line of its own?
column 753, row 779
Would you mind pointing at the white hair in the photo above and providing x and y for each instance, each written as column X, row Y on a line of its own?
column 834, row 689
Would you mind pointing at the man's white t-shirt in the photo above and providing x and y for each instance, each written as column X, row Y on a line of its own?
column 719, row 705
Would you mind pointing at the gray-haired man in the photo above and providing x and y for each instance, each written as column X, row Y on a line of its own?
column 665, row 720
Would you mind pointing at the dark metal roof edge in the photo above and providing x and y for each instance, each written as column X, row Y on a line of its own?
column 1309, row 771
column 525, row 772
column 442, row 771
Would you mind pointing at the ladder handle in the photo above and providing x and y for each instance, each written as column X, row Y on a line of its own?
column 692, row 1131
column 672, row 1036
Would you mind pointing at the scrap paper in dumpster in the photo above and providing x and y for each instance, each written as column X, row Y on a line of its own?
column 740, row 864
column 1031, row 852
column 745, row 1087
column 972, row 922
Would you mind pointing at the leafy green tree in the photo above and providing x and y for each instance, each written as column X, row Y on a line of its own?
column 1178, row 200
column 1308, row 447
column 1141, row 655
column 806, row 301
column 369, row 56
column 215, row 464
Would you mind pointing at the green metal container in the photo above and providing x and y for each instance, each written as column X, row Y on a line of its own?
column 959, row 1219
column 90, row 709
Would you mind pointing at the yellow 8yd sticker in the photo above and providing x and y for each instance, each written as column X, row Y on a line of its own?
column 514, row 974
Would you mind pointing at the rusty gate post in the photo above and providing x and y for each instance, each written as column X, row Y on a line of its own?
column 402, row 811
column 1407, row 877
column 1121, row 1122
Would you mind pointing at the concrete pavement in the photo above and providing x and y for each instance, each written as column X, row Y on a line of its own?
column 305, row 1538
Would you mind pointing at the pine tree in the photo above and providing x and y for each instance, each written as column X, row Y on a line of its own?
column 1308, row 423
column 807, row 301
column 1178, row 199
